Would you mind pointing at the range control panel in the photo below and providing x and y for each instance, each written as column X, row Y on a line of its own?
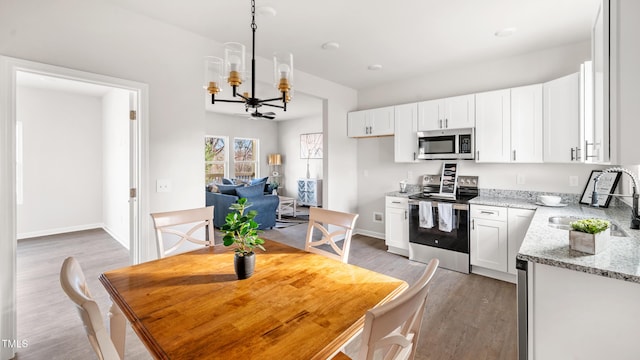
column 430, row 181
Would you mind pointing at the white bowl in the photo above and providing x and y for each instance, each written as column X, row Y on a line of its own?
column 550, row 200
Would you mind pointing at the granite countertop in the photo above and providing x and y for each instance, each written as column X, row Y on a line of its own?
column 550, row 246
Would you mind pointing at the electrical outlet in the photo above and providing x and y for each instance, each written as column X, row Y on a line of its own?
column 377, row 217
column 573, row 181
column 163, row 185
column 520, row 179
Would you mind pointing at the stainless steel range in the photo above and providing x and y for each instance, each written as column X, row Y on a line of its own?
column 444, row 236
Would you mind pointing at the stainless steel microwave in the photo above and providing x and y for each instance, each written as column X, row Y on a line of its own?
column 446, row 144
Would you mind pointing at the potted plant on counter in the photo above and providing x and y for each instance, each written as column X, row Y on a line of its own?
column 241, row 230
column 589, row 235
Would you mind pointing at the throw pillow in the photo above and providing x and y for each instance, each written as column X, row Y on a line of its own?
column 226, row 181
column 251, row 191
column 212, row 188
column 228, row 189
column 259, row 181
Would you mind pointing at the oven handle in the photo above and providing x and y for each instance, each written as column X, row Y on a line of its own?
column 464, row 207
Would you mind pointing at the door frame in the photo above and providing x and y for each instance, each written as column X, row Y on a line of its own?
column 8, row 208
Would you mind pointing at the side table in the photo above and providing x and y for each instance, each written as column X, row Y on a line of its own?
column 286, row 203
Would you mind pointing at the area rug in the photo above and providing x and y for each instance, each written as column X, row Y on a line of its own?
column 288, row 220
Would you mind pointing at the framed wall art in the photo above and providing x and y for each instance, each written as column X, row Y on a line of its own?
column 311, row 146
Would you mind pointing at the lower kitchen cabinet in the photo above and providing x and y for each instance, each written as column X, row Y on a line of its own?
column 489, row 237
column 396, row 229
column 496, row 235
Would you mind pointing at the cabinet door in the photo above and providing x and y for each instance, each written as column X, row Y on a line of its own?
column 429, row 115
column 489, row 244
column 561, row 120
column 518, row 223
column 493, row 122
column 381, row 121
column 397, row 227
column 526, row 124
column 357, row 124
column 405, row 140
column 459, row 112
column 599, row 79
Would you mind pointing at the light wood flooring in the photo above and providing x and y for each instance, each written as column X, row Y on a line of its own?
column 467, row 316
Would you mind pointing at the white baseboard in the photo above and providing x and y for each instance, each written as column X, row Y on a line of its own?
column 124, row 243
column 372, row 234
column 48, row 232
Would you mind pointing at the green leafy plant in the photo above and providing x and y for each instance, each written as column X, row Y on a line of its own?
column 241, row 229
column 590, row 226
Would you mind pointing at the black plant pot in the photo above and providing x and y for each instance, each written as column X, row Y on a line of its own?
column 244, row 265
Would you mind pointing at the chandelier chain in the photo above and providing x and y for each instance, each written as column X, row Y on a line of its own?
column 253, row 15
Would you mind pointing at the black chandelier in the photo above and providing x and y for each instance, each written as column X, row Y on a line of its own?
column 232, row 70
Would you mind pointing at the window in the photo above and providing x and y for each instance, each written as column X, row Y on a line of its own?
column 216, row 160
column 245, row 158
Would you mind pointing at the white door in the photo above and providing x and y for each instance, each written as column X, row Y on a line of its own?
column 561, row 120
column 429, row 115
column 405, row 142
column 489, row 244
column 381, row 121
column 518, row 224
column 493, row 126
column 459, row 112
column 526, row 124
column 357, row 124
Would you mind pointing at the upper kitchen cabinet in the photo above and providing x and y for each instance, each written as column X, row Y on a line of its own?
column 493, row 126
column 526, row 124
column 456, row 112
column 596, row 90
column 406, row 132
column 561, row 120
column 373, row 122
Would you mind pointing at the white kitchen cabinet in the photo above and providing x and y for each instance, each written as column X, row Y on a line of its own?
column 489, row 237
column 457, row 112
column 310, row 192
column 561, row 120
column 372, row 122
column 597, row 99
column 493, row 126
column 526, row 124
column 405, row 140
column 397, row 225
column 518, row 221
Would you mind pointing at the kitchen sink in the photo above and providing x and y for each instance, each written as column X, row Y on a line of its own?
column 563, row 222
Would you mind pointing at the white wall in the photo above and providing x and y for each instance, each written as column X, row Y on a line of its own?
column 375, row 155
column 266, row 131
column 115, row 164
column 293, row 166
column 62, row 162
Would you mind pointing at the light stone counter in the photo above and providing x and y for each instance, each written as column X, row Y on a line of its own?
column 550, row 246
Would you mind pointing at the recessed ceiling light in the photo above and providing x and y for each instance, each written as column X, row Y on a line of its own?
column 331, row 45
column 266, row 11
column 506, row 32
column 374, row 67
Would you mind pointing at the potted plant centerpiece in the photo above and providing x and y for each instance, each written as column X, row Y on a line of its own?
column 240, row 229
column 589, row 235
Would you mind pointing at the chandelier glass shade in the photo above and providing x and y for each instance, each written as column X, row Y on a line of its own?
column 232, row 70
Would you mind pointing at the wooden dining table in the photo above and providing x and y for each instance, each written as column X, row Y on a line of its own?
column 297, row 305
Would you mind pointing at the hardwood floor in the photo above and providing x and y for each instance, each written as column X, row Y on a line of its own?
column 467, row 316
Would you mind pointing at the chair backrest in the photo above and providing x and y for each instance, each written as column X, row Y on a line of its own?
column 165, row 222
column 394, row 328
column 74, row 285
column 321, row 219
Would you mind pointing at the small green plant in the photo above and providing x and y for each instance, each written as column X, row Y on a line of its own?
column 590, row 226
column 240, row 229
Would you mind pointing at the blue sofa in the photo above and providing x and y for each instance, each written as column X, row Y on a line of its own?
column 265, row 205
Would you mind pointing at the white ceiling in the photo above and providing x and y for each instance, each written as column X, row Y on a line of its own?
column 406, row 37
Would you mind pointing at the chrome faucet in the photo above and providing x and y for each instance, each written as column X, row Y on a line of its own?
column 635, row 219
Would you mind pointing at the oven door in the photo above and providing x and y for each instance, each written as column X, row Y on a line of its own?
column 452, row 248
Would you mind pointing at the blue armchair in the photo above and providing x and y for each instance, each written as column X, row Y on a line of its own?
column 265, row 205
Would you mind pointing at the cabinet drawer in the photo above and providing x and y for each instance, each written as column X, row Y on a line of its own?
column 397, row 202
column 489, row 212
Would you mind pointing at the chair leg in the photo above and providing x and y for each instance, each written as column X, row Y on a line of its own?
column 117, row 328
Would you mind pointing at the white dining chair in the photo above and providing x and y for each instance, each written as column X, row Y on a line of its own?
column 173, row 222
column 391, row 331
column 107, row 344
column 321, row 219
